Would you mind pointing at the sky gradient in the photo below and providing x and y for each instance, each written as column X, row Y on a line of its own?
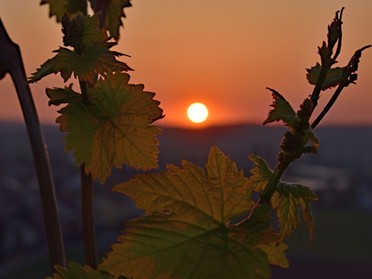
column 221, row 53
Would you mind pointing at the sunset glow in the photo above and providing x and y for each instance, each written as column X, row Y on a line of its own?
column 225, row 54
column 197, row 112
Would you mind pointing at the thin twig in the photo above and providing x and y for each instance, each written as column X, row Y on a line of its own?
column 11, row 62
column 328, row 106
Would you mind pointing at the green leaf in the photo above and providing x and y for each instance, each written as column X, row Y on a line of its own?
column 75, row 270
column 114, row 16
column 95, row 59
column 186, row 234
column 59, row 7
column 335, row 76
column 59, row 96
column 190, row 187
column 111, row 13
column 114, row 129
column 282, row 110
column 56, row 8
column 275, row 253
column 287, row 200
column 92, row 33
column 270, row 242
column 261, row 173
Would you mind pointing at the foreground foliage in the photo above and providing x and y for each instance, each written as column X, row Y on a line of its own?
column 189, row 232
column 211, row 222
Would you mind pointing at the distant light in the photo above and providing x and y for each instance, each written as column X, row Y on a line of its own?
column 197, row 112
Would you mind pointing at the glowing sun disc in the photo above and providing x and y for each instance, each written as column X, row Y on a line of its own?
column 197, row 112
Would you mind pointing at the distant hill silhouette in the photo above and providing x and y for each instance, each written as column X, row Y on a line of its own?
column 344, row 146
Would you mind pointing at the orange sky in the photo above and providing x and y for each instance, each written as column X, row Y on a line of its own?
column 222, row 53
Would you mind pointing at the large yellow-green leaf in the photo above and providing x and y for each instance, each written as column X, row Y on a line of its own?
column 115, row 129
column 188, row 231
column 76, row 271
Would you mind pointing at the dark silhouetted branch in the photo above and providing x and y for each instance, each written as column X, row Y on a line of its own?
column 11, row 62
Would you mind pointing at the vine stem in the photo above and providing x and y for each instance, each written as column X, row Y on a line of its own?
column 273, row 182
column 329, row 105
column 88, row 218
column 87, row 202
column 11, row 62
column 318, row 86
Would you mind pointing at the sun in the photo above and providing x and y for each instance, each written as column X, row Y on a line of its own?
column 197, row 112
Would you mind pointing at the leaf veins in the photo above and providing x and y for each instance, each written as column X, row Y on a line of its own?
column 186, row 233
column 115, row 129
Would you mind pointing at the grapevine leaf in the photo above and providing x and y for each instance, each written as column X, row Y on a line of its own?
column 111, row 14
column 352, row 66
column 59, row 96
column 190, row 187
column 80, row 30
column 94, row 59
column 185, row 234
column 59, row 7
column 287, row 199
column 275, row 253
column 92, row 33
column 270, row 242
column 114, row 16
column 335, row 30
column 56, row 8
column 92, row 55
column 261, row 173
column 114, row 129
column 74, row 270
column 282, row 110
column 335, row 76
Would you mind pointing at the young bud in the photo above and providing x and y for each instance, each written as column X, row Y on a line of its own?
column 73, row 29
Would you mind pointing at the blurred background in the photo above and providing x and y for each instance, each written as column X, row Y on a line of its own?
column 341, row 174
column 224, row 54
